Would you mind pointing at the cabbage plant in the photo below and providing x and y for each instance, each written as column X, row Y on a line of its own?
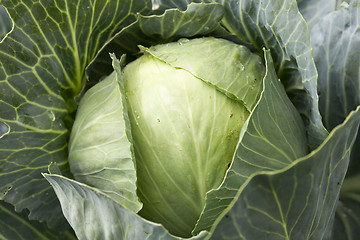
column 179, row 119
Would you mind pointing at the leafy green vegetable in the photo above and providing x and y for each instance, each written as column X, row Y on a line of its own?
column 286, row 178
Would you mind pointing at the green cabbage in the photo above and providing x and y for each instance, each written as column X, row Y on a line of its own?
column 185, row 126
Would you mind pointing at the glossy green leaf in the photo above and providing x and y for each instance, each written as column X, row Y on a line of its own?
column 273, row 127
column 278, row 25
column 15, row 225
column 298, row 202
column 42, row 64
column 95, row 216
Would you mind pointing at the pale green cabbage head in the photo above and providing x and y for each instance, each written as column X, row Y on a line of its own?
column 185, row 123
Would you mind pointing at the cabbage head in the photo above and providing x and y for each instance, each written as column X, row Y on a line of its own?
column 185, row 126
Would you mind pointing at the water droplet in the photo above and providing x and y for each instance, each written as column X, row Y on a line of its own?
column 155, row 4
column 206, row 28
column 4, row 129
column 182, row 41
column 240, row 65
column 138, row 117
column 51, row 115
column 179, row 147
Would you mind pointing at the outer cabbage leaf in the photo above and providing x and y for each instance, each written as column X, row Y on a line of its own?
column 42, row 64
column 314, row 10
column 100, row 147
column 336, row 43
column 298, row 202
column 17, row 226
column 95, row 216
column 347, row 217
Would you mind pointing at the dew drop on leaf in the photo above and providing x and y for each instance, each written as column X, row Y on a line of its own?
column 182, row 41
column 155, row 4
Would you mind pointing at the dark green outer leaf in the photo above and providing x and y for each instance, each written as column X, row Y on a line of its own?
column 278, row 25
column 17, row 226
column 347, row 218
column 273, row 127
column 94, row 216
column 314, row 10
column 42, row 64
column 298, row 202
column 336, row 43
